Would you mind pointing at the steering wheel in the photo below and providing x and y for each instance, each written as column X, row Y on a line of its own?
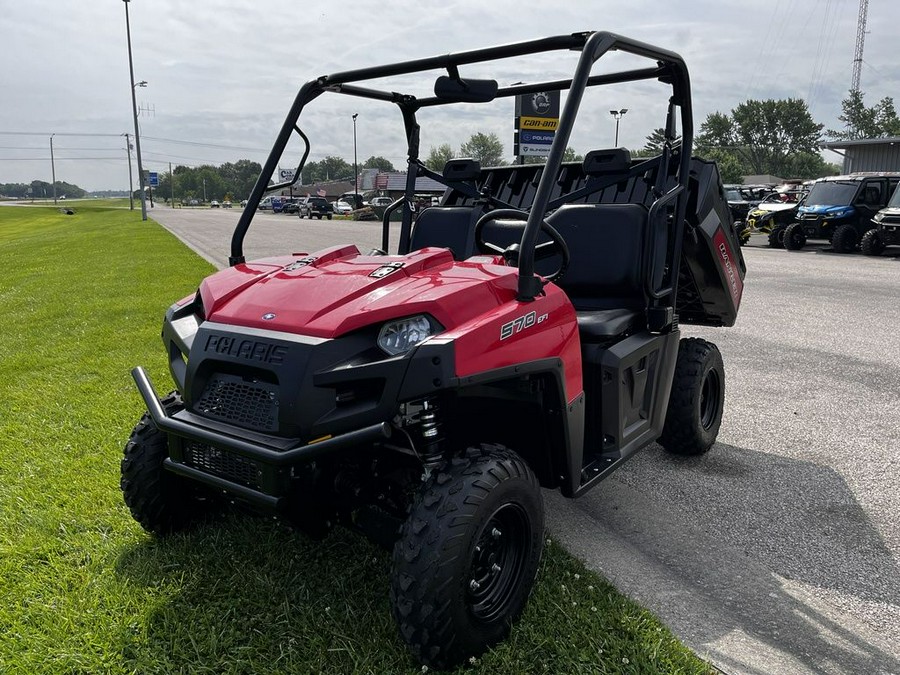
column 556, row 245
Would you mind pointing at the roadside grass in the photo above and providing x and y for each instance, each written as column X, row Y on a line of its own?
column 84, row 590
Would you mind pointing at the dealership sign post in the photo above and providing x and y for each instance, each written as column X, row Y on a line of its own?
column 536, row 119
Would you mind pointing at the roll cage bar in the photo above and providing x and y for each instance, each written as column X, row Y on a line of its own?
column 669, row 68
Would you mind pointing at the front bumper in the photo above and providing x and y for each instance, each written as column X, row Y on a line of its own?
column 255, row 468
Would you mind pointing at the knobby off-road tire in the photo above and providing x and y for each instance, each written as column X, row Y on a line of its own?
column 697, row 400
column 794, row 238
column 871, row 243
column 776, row 236
column 467, row 556
column 158, row 499
column 845, row 239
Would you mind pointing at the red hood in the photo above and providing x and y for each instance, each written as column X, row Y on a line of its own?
column 337, row 290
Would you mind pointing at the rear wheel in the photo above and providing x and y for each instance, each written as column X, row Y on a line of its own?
column 845, row 239
column 467, row 556
column 871, row 243
column 158, row 499
column 776, row 236
column 697, row 400
column 794, row 238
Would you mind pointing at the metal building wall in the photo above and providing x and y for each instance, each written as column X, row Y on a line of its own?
column 881, row 157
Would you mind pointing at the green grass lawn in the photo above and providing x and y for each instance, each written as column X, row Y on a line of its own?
column 84, row 590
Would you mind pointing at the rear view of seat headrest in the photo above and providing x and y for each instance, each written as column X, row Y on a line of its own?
column 462, row 169
column 601, row 162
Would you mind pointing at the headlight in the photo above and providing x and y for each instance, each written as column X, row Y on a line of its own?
column 878, row 217
column 840, row 214
column 398, row 337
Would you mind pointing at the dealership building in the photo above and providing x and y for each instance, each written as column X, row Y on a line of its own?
column 867, row 154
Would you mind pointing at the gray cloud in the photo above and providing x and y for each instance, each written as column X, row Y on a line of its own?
column 225, row 72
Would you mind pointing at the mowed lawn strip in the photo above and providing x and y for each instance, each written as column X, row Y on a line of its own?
column 84, row 590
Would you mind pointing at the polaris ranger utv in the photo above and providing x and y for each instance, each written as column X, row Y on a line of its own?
column 524, row 335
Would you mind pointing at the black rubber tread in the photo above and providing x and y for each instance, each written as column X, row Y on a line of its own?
column 158, row 499
column 844, row 239
column 432, row 557
column 871, row 243
column 683, row 433
column 794, row 237
column 776, row 236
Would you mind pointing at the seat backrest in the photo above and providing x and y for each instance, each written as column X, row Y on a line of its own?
column 450, row 227
column 606, row 246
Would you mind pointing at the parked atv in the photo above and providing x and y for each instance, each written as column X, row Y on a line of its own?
column 840, row 209
column 887, row 228
column 772, row 216
column 525, row 335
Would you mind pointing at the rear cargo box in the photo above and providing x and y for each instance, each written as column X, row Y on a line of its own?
column 711, row 279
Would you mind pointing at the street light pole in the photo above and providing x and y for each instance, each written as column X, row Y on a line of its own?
column 130, row 179
column 53, row 168
column 137, row 136
column 618, row 114
column 355, row 167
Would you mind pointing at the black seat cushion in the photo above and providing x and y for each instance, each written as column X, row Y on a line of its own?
column 604, row 324
column 606, row 245
column 450, row 227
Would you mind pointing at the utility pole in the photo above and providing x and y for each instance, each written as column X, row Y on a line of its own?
column 860, row 44
column 137, row 135
column 130, row 179
column 53, row 168
column 171, row 187
column 355, row 167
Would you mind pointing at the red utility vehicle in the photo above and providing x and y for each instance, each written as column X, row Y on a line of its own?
column 524, row 335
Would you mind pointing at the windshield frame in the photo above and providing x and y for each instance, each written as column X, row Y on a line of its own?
column 835, row 189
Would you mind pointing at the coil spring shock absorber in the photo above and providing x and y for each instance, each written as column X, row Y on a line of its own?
column 429, row 431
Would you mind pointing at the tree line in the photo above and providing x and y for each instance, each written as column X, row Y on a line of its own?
column 780, row 137
column 38, row 189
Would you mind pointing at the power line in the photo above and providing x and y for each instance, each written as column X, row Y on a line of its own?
column 204, row 145
column 55, row 133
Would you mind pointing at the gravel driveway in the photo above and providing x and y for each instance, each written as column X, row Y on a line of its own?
column 779, row 551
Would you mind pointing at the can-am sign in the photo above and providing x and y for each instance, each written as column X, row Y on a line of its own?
column 536, row 119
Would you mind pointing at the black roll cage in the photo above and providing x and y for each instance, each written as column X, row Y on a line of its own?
column 669, row 68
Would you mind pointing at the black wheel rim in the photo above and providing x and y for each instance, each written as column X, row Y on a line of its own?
column 497, row 560
column 710, row 397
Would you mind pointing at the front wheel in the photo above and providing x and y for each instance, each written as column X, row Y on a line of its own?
column 844, row 239
column 158, row 499
column 794, row 238
column 776, row 237
column 697, row 399
column 467, row 556
column 871, row 244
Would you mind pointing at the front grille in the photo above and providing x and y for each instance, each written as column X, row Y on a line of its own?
column 222, row 463
column 247, row 403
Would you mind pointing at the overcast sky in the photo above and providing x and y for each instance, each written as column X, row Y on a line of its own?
column 221, row 75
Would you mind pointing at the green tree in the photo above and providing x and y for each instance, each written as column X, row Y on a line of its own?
column 439, row 156
column 860, row 121
column 486, row 148
column 379, row 163
column 763, row 137
column 328, row 169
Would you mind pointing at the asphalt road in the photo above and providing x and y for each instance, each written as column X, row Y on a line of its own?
column 778, row 551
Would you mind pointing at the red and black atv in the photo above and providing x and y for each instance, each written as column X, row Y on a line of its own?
column 525, row 335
